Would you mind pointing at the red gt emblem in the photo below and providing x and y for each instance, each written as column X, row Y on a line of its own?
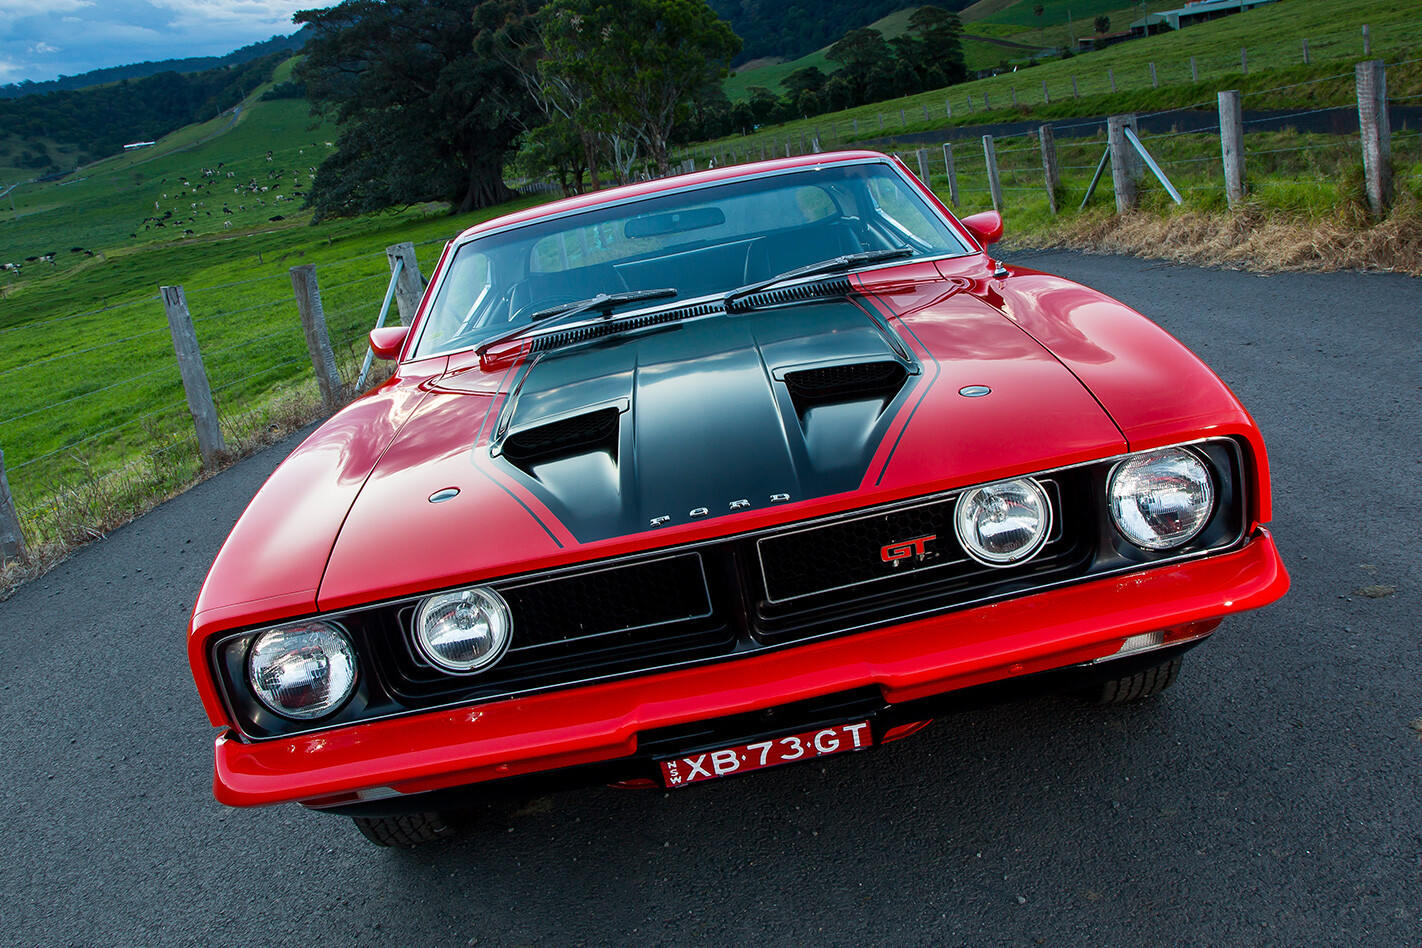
column 902, row 551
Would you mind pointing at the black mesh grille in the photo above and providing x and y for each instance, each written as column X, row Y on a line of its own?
column 610, row 600
column 852, row 552
column 559, row 437
column 585, row 333
column 793, row 294
column 566, row 628
column 838, row 381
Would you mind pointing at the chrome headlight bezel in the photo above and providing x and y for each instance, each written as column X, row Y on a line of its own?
column 1132, row 525
column 487, row 605
column 315, row 647
column 964, row 522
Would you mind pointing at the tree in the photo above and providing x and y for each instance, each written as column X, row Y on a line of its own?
column 940, row 58
column 1103, row 24
column 643, row 61
column 423, row 117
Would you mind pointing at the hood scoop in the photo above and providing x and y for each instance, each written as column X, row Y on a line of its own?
column 579, row 434
column 836, row 382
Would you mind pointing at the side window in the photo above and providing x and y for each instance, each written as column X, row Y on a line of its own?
column 463, row 297
column 903, row 213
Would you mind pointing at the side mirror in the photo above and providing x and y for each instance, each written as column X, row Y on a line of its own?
column 986, row 227
column 387, row 341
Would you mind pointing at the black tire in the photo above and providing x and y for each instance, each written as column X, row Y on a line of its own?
column 413, row 830
column 1137, row 687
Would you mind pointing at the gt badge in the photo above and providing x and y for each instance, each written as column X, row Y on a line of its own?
column 902, row 551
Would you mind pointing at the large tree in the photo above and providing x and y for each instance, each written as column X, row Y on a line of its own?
column 641, row 62
column 423, row 117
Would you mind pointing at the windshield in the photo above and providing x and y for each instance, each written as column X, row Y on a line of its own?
column 702, row 243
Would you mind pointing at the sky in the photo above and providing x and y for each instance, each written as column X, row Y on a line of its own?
column 44, row 39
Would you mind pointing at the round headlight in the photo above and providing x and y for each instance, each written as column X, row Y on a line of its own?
column 302, row 671
column 1161, row 499
column 464, row 631
column 1005, row 523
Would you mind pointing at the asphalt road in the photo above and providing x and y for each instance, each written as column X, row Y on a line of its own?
column 1270, row 798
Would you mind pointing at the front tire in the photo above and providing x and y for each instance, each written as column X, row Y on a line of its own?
column 1137, row 687
column 415, row 829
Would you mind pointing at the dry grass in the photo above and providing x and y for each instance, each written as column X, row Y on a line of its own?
column 1251, row 238
column 95, row 505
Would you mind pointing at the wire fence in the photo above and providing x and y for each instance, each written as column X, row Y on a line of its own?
column 95, row 426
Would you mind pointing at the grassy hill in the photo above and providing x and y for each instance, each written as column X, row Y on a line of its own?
column 1010, row 22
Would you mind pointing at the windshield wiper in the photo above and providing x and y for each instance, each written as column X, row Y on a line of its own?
column 844, row 262
column 604, row 303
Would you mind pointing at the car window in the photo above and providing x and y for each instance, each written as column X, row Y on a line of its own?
column 702, row 243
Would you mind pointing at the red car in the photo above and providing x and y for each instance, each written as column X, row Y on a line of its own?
column 705, row 475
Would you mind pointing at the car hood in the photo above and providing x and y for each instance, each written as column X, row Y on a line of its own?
column 710, row 426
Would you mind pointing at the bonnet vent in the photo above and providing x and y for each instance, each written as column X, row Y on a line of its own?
column 792, row 294
column 846, row 381
column 567, row 436
column 557, row 340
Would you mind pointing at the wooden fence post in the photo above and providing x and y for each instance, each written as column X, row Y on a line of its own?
column 1244, row 59
column 1367, row 41
column 952, row 174
column 1194, row 70
column 410, row 287
column 924, row 174
column 1375, row 128
column 1014, row 96
column 970, row 102
column 925, row 111
column 1074, row 93
column 313, row 324
column 199, row 394
column 1154, row 82
column 1111, row 74
column 947, row 108
column 994, row 180
column 881, row 121
column 1046, row 96
column 1123, row 165
column 12, row 536
column 902, row 121
column 987, row 106
column 1305, row 52
column 1232, row 145
column 1049, row 165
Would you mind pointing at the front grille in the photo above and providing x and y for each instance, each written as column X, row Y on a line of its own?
column 891, row 566
column 739, row 595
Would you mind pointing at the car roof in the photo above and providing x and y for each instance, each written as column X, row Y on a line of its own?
column 664, row 185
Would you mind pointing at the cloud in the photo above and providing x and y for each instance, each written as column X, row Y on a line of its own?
column 42, row 39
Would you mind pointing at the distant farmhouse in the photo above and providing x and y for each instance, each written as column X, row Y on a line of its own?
column 1192, row 13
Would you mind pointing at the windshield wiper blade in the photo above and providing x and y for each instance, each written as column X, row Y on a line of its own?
column 844, row 262
column 603, row 303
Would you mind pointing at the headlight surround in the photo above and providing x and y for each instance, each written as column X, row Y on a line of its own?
column 302, row 671
column 1004, row 523
column 464, row 631
column 1162, row 499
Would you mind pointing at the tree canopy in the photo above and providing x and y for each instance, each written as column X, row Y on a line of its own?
column 637, row 64
column 423, row 117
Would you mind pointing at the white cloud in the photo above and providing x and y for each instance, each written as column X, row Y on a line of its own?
column 19, row 8
column 42, row 48
column 269, row 14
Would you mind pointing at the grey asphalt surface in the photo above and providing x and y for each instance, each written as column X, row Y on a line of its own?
column 1270, row 798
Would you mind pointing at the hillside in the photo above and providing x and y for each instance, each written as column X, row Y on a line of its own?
column 791, row 30
column 142, row 70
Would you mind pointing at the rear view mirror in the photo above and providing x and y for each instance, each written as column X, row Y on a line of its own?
column 387, row 341
column 986, row 227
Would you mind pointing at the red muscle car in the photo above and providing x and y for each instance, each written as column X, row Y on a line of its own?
column 706, row 475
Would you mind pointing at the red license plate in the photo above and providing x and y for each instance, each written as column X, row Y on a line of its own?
column 743, row 758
